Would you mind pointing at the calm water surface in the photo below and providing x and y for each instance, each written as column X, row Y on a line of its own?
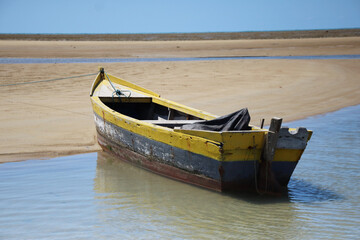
column 111, row 60
column 93, row 196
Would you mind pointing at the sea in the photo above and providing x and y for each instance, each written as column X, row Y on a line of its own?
column 94, row 196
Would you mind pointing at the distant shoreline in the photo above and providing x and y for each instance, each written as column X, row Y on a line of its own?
column 187, row 36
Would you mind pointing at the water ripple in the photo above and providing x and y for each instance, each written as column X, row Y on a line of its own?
column 306, row 192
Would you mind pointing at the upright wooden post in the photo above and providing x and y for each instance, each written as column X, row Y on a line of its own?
column 271, row 139
column 267, row 182
column 262, row 123
column 102, row 73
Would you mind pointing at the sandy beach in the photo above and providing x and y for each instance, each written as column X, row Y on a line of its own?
column 55, row 118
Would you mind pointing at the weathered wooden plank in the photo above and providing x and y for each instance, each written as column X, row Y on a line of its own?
column 271, row 139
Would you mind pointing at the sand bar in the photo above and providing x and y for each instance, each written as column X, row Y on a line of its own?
column 153, row 49
column 55, row 118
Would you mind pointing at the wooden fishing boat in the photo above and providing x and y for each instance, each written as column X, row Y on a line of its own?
column 140, row 127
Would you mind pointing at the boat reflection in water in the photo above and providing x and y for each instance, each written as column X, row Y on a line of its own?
column 139, row 202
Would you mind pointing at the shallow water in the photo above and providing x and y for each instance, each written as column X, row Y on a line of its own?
column 93, row 196
column 113, row 60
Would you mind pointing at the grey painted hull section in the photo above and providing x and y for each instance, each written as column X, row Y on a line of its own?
column 156, row 156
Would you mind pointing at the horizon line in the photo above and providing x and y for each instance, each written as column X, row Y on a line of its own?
column 204, row 32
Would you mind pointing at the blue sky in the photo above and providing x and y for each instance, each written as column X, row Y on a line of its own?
column 163, row 16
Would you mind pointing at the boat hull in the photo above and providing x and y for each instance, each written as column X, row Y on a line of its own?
column 176, row 163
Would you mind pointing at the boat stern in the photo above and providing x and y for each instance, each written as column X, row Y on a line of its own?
column 289, row 149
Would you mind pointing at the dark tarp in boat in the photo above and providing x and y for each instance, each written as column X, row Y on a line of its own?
column 232, row 122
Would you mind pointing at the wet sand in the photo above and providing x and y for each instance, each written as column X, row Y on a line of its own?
column 213, row 48
column 55, row 118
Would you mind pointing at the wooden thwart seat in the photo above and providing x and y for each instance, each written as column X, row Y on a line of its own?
column 172, row 123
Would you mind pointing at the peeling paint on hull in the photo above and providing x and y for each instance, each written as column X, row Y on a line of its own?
column 175, row 163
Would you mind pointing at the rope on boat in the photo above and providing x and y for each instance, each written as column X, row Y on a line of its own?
column 256, row 173
column 117, row 91
column 48, row 80
column 258, row 190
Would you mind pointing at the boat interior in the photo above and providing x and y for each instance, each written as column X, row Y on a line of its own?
column 145, row 109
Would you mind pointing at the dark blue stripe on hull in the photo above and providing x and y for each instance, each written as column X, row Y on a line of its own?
column 283, row 171
column 240, row 175
column 229, row 175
